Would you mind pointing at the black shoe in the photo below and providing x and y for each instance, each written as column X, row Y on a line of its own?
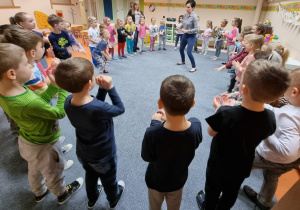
column 224, row 63
column 134, row 50
column 121, row 186
column 137, row 48
column 252, row 195
column 159, row 48
column 41, row 197
column 91, row 204
column 200, row 198
column 72, row 189
column 164, row 49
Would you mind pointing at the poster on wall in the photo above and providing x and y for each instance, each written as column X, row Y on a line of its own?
column 60, row 13
column 289, row 16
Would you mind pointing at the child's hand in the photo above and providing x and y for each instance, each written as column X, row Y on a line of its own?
column 226, row 96
column 82, row 51
column 216, row 102
column 52, row 78
column 221, row 68
column 104, row 82
column 234, row 39
column 54, row 63
column 157, row 116
column 163, row 114
column 232, row 54
column 177, row 28
column 223, row 33
column 108, row 57
column 202, row 34
column 69, row 49
column 228, row 102
column 45, row 39
column 235, row 63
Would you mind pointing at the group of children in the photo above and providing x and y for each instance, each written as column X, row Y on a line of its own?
column 170, row 142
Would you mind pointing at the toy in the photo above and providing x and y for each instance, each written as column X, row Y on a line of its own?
column 267, row 23
column 271, row 37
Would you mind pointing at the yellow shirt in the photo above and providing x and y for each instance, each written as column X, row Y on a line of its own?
column 130, row 28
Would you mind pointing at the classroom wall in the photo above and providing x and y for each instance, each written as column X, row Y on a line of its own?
column 44, row 6
column 216, row 15
column 288, row 34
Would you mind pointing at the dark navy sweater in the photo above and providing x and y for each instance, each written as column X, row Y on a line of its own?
column 94, row 126
column 60, row 42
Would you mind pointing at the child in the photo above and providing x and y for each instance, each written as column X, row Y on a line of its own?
column 179, row 33
column 258, row 29
column 153, row 31
column 237, row 44
column 69, row 30
column 99, row 53
column 59, row 39
column 170, row 146
column 162, row 35
column 93, row 121
column 37, row 120
column 93, row 34
column 122, row 35
column 280, row 152
column 206, row 35
column 282, row 51
column 220, row 38
column 237, row 130
column 130, row 27
column 142, row 34
column 198, row 36
column 237, row 24
column 112, row 40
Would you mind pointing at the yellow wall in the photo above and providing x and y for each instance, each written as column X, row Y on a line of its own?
column 44, row 6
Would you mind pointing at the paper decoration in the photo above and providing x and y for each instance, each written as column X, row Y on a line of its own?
column 60, row 13
column 41, row 19
column 289, row 16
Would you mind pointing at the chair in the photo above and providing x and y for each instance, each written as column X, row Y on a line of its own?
column 85, row 39
column 77, row 31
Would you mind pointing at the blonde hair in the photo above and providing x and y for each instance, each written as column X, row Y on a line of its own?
column 91, row 19
column 295, row 78
column 210, row 23
column 162, row 21
column 256, row 40
column 282, row 51
column 17, row 18
column 133, row 7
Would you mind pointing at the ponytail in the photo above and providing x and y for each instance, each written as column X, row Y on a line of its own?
column 285, row 55
column 238, row 22
column 17, row 18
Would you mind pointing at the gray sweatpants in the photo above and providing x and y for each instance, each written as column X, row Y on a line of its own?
column 141, row 42
column 44, row 162
column 162, row 40
column 271, row 171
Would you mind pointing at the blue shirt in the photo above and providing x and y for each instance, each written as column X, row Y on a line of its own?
column 162, row 28
column 94, row 126
column 100, row 47
column 60, row 42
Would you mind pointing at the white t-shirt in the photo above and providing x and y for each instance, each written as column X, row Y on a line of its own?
column 153, row 30
column 94, row 33
column 284, row 145
column 137, row 18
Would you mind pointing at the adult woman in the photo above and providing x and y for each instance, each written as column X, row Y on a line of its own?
column 189, row 27
column 136, row 15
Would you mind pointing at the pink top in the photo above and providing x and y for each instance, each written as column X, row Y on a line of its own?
column 230, row 36
column 142, row 30
column 112, row 34
column 240, row 69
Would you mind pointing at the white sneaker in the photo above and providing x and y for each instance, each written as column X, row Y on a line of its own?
column 68, row 164
column 205, row 53
column 215, row 58
column 66, row 148
column 61, row 139
column 121, row 185
column 200, row 53
column 175, row 48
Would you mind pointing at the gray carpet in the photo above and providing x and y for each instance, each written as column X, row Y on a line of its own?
column 137, row 80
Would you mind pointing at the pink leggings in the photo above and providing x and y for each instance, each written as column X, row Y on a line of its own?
column 111, row 51
column 152, row 41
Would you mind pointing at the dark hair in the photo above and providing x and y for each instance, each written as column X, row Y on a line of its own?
column 261, row 28
column 226, row 21
column 177, row 93
column 73, row 73
column 17, row 18
column 10, row 57
column 247, row 28
column 8, row 26
column 263, row 55
column 239, row 22
column 191, row 2
column 266, row 80
column 180, row 16
column 28, row 40
column 54, row 19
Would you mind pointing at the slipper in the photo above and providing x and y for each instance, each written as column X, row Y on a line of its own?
column 181, row 63
column 193, row 70
column 105, row 71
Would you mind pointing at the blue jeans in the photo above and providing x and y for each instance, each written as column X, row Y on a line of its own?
column 189, row 40
column 219, row 44
column 129, row 43
column 177, row 39
column 135, row 40
column 107, row 172
column 94, row 61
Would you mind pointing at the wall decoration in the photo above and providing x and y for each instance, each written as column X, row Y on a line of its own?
column 60, row 13
column 151, row 7
column 204, row 6
column 289, row 16
column 290, row 7
column 41, row 19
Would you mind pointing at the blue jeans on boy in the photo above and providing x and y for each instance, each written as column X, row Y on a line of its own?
column 129, row 43
column 219, row 44
column 189, row 40
column 94, row 61
column 107, row 172
column 136, row 38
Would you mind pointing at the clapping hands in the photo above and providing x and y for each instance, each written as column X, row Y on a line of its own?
column 104, row 82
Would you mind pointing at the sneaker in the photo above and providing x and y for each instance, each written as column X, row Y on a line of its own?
column 164, row 49
column 175, row 48
column 66, row 148
column 121, row 185
column 41, row 197
column 91, row 204
column 134, row 50
column 124, row 56
column 111, row 59
column 143, row 50
column 137, row 48
column 120, row 57
column 131, row 54
column 200, row 198
column 114, row 58
column 212, row 57
column 153, row 49
column 71, row 190
column 105, row 71
column 205, row 53
column 140, row 52
column 200, row 53
column 252, row 195
column 215, row 58
column 61, row 139
column 68, row 164
column 159, row 48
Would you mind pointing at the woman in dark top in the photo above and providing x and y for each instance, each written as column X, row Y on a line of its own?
column 136, row 15
column 189, row 27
